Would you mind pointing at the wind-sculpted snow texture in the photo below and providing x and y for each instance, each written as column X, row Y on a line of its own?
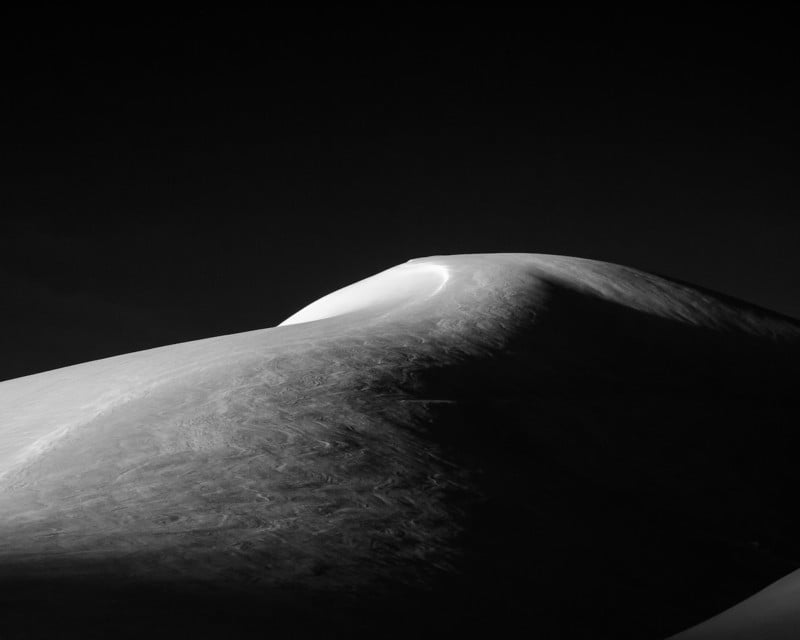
column 461, row 443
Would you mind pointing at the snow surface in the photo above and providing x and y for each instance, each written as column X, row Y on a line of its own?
column 220, row 435
column 409, row 283
column 38, row 409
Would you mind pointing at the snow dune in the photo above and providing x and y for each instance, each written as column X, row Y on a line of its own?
column 38, row 409
column 569, row 406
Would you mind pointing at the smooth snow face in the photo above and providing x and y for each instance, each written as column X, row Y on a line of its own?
column 405, row 283
column 37, row 410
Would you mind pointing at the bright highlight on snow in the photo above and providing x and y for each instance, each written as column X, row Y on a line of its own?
column 405, row 283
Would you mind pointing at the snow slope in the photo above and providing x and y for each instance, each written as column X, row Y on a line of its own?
column 37, row 409
column 457, row 429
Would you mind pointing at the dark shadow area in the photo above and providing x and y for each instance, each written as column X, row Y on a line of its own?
column 639, row 480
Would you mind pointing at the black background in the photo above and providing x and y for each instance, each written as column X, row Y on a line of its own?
column 167, row 177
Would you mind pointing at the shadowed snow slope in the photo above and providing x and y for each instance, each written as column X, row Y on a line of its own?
column 458, row 443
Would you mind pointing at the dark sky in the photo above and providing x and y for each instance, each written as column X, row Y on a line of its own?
column 171, row 177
